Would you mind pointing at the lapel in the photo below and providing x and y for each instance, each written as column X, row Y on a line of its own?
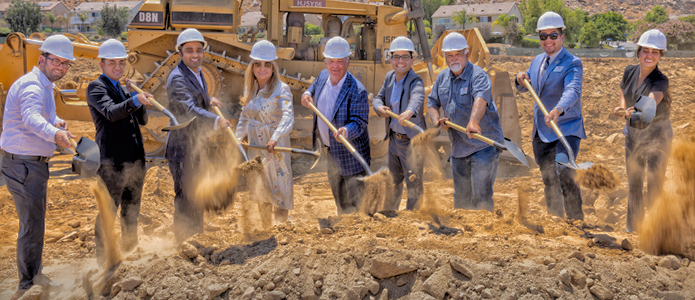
column 391, row 81
column 193, row 80
column 403, row 92
column 342, row 95
column 551, row 67
column 111, row 88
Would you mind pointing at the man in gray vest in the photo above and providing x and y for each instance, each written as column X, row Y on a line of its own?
column 403, row 93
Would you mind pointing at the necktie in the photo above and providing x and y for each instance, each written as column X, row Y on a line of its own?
column 545, row 65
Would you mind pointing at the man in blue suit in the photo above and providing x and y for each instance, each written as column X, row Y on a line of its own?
column 403, row 93
column 344, row 101
column 556, row 76
column 188, row 97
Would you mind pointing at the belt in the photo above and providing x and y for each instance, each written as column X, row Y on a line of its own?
column 401, row 136
column 25, row 157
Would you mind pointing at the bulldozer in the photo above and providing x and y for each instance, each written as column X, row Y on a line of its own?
column 368, row 27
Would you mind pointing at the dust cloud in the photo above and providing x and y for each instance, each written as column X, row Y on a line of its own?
column 423, row 156
column 598, row 177
column 377, row 191
column 107, row 216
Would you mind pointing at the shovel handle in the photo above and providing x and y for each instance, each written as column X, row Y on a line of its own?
column 151, row 99
column 231, row 134
column 407, row 122
column 543, row 109
column 72, row 142
column 284, row 149
column 484, row 139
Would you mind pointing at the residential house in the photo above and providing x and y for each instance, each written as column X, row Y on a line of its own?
column 483, row 13
column 93, row 12
column 58, row 9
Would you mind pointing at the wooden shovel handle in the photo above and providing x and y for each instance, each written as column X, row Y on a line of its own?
column 151, row 99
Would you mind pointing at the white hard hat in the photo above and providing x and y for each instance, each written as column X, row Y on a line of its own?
column 402, row 43
column 112, row 49
column 337, row 47
column 263, row 50
column 550, row 20
column 58, row 45
column 454, row 41
column 190, row 35
column 653, row 39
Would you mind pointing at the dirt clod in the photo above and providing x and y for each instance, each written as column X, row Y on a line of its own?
column 598, row 177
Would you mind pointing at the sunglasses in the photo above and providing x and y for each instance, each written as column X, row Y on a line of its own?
column 553, row 36
column 266, row 64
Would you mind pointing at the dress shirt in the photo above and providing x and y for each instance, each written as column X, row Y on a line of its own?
column 326, row 103
column 542, row 72
column 199, row 76
column 396, row 95
column 133, row 95
column 30, row 116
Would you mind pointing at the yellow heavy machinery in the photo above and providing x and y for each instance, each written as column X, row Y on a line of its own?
column 369, row 27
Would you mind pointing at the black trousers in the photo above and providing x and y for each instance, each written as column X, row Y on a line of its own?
column 188, row 218
column 347, row 190
column 124, row 183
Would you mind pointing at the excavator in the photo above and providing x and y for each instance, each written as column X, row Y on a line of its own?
column 368, row 27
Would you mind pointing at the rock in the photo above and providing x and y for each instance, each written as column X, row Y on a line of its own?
column 115, row 289
column 551, row 266
column 381, row 235
column 75, row 224
column 460, row 266
column 578, row 255
column 188, row 250
column 269, row 286
column 437, row 284
column 318, row 284
column 387, row 267
column 670, row 262
column 379, row 217
column 384, row 295
column 130, row 283
column 34, row 293
column 601, row 292
column 401, row 281
column 487, row 294
column 249, row 293
column 626, row 245
column 151, row 290
column 373, row 286
column 420, row 296
column 578, row 278
column 216, row 289
column 589, row 282
column 479, row 288
column 283, row 241
column 564, row 276
column 553, row 293
column 591, row 255
column 326, row 230
column 296, row 271
column 274, row 295
column 612, row 218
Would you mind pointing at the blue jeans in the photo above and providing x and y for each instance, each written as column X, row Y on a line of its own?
column 562, row 193
column 401, row 170
column 474, row 177
column 27, row 181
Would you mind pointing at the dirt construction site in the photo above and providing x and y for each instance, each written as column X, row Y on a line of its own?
column 436, row 252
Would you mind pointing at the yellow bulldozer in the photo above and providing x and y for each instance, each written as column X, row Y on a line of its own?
column 369, row 27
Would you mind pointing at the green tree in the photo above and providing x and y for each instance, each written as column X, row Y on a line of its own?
column 113, row 20
column 531, row 10
column 83, row 17
column 657, row 15
column 62, row 21
column 51, row 18
column 590, row 36
column 310, row 29
column 504, row 20
column 461, row 18
column 690, row 19
column 431, row 6
column 23, row 16
column 610, row 25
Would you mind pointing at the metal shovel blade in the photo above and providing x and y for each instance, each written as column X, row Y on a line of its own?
column 179, row 126
column 645, row 110
column 88, row 158
column 514, row 150
column 562, row 159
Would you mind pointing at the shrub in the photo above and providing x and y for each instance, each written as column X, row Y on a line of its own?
column 124, row 36
column 529, row 43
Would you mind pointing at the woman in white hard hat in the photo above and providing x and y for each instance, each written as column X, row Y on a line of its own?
column 266, row 119
column 647, row 146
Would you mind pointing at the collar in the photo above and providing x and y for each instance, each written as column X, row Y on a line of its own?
column 340, row 83
column 42, row 77
column 194, row 72
column 555, row 55
column 400, row 82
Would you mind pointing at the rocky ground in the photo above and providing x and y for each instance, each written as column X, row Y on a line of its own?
column 437, row 252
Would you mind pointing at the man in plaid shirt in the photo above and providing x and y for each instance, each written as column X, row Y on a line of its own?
column 344, row 101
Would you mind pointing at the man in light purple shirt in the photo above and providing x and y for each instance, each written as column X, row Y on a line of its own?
column 31, row 129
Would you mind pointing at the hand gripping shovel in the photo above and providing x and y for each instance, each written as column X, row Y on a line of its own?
column 165, row 111
column 508, row 144
column 316, row 153
column 232, row 135
column 87, row 159
column 568, row 160
column 645, row 111
column 407, row 122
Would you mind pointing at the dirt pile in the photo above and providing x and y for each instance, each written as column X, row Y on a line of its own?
column 597, row 177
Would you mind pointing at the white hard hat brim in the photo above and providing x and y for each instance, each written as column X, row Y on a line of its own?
column 549, row 27
column 112, row 57
column 178, row 46
column 336, row 57
column 62, row 56
column 647, row 45
column 256, row 58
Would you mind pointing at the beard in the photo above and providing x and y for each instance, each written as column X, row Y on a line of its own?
column 456, row 67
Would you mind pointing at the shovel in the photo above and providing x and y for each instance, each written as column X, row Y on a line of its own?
column 568, row 159
column 165, row 111
column 232, row 135
column 645, row 111
column 316, row 153
column 87, row 159
column 406, row 122
column 508, row 144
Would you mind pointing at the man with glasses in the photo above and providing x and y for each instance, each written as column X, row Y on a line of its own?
column 344, row 101
column 556, row 76
column 188, row 97
column 117, row 117
column 464, row 92
column 403, row 92
column 31, row 130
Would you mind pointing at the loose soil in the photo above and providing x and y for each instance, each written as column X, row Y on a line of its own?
column 437, row 252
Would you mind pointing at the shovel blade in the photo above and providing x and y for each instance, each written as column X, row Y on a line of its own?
column 646, row 109
column 561, row 158
column 88, row 158
column 177, row 127
column 514, row 150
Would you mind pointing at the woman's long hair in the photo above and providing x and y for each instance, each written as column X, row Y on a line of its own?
column 250, row 83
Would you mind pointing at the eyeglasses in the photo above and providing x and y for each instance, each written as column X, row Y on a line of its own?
column 553, row 36
column 55, row 62
column 113, row 64
column 259, row 64
column 401, row 57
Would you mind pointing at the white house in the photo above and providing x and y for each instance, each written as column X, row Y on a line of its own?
column 484, row 14
column 93, row 12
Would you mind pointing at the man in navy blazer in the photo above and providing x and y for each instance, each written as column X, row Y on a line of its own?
column 188, row 97
column 117, row 116
column 556, row 76
column 403, row 92
column 344, row 101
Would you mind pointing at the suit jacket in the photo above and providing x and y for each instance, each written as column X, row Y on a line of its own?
column 351, row 111
column 561, row 86
column 117, row 121
column 187, row 99
column 413, row 97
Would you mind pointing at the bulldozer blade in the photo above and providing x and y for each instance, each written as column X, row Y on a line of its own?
column 88, row 158
column 514, row 150
column 178, row 126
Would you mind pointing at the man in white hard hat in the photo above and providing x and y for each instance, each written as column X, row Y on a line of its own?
column 344, row 101
column 464, row 92
column 188, row 97
column 117, row 116
column 556, row 76
column 31, row 130
column 402, row 92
